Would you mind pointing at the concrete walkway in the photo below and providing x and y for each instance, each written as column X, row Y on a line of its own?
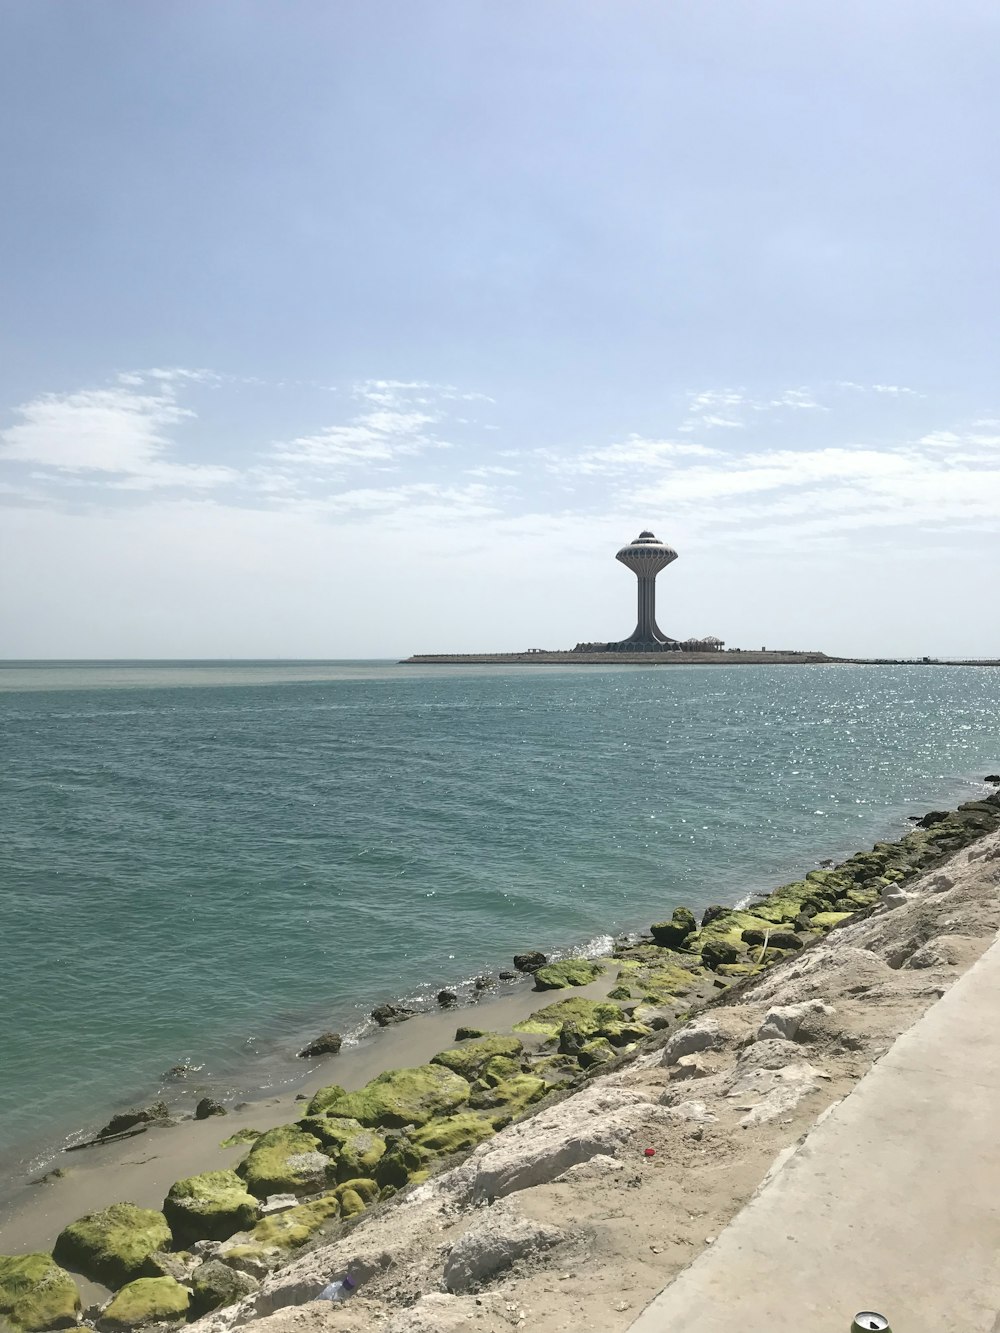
column 892, row 1203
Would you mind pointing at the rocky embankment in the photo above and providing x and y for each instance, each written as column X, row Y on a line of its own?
column 560, row 1173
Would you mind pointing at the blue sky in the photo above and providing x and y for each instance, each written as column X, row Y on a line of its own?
column 359, row 329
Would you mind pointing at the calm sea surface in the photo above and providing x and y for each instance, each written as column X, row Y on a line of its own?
column 207, row 862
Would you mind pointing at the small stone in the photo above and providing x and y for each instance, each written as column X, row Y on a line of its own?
column 529, row 962
column 328, row 1043
column 508, row 976
column 446, row 998
column 207, row 1107
column 386, row 1014
column 277, row 1203
column 137, row 1115
column 482, row 983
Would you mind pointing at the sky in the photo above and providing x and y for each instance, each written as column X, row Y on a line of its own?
column 342, row 330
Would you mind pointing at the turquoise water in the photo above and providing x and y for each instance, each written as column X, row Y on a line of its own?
column 209, row 862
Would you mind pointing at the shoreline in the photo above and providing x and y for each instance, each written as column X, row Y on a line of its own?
column 734, row 657
column 286, row 1076
column 142, row 1169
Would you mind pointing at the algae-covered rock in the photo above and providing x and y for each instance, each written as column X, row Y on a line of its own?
column 351, row 1203
column 402, row 1097
column 498, row 1068
column 285, row 1160
column 147, row 1300
column 333, row 1131
column 570, row 972
column 402, row 1163
column 240, row 1137
column 178, row 1264
column 293, row 1227
column 508, row 1099
column 359, row 1154
column 673, row 933
column 777, row 939
column 620, row 992
column 714, row 952
column 451, row 1134
column 589, row 1015
column 664, row 981
column 469, row 1060
column 35, row 1293
column 827, row 920
column 595, row 1052
column 353, row 1149
column 112, row 1245
column 366, row 1189
column 215, row 1285
column 324, row 1099
column 212, row 1206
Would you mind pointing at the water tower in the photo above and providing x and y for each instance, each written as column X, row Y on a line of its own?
column 645, row 557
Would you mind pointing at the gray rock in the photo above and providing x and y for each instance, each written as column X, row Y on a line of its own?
column 216, row 1284
column 786, row 1021
column 208, row 1107
column 529, row 962
column 136, row 1115
column 328, row 1043
column 387, row 1014
column 701, row 1034
column 497, row 1239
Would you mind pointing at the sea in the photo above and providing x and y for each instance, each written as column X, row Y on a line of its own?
column 204, row 864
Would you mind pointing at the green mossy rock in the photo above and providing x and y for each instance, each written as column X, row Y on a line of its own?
column 360, row 1154
column 241, row 1136
column 557, row 1071
column 672, row 934
column 596, row 1052
column 401, row 1164
column 620, row 993
column 285, row 1160
column 112, row 1245
column 147, row 1300
column 451, row 1134
column 468, row 1034
column 215, row 1285
column 664, row 981
column 625, row 1034
column 736, row 970
column 351, row 1203
column 324, row 1099
column 730, row 927
column 212, row 1206
column 714, row 952
column 570, row 972
column 508, row 1099
column 366, row 1190
column 293, row 1227
column 35, row 1293
column 469, row 1060
column 827, row 920
column 401, row 1097
column 332, row 1131
column 589, row 1015
column 498, row 1069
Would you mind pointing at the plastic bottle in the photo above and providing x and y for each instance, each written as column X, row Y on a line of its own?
column 338, row 1291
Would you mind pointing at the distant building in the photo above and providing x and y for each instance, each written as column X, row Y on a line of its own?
column 646, row 557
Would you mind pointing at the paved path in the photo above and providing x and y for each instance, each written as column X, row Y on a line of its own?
column 891, row 1204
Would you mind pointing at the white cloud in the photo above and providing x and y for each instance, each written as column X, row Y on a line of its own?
column 374, row 437
column 117, row 437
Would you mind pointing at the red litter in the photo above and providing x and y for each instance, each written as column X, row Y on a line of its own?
column 650, row 1152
